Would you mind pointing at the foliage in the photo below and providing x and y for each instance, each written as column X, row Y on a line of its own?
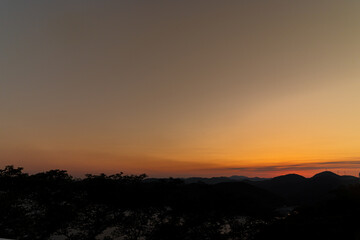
column 55, row 205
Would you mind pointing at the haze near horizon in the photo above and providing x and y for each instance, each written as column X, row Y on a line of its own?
column 180, row 88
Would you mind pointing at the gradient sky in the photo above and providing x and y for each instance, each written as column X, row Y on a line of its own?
column 180, row 88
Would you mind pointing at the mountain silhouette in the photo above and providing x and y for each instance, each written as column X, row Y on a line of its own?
column 294, row 188
column 297, row 189
column 326, row 174
column 212, row 180
column 51, row 204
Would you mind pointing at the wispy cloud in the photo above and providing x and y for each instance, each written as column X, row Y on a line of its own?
column 347, row 164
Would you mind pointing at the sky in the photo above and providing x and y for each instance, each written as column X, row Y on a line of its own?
column 180, row 88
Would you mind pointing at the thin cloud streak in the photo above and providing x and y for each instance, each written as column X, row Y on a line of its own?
column 300, row 166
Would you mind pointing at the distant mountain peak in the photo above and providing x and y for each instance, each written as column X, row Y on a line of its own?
column 326, row 174
column 291, row 176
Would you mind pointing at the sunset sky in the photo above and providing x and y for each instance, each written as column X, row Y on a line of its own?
column 180, row 88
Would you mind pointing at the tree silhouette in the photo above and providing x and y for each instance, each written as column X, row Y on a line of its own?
column 53, row 204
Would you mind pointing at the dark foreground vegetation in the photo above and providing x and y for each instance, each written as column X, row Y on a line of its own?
column 54, row 205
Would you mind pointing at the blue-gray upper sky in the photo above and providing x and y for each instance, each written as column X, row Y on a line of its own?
column 178, row 87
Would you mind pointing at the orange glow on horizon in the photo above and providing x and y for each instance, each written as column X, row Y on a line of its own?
column 181, row 88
